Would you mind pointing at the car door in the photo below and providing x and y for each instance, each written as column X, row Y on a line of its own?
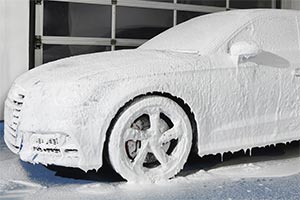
column 276, row 86
column 231, row 104
column 231, row 98
column 256, row 103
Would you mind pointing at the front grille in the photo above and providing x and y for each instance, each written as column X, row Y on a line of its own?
column 13, row 108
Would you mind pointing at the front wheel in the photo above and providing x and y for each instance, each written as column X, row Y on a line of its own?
column 151, row 140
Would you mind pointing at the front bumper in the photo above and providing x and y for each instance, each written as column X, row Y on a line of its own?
column 49, row 148
column 36, row 147
column 41, row 111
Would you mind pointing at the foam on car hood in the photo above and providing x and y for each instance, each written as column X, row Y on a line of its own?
column 110, row 66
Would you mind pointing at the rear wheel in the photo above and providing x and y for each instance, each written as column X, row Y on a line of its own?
column 150, row 140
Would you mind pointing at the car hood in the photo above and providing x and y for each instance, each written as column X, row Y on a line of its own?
column 111, row 66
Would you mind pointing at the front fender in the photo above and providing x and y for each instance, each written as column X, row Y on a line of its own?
column 126, row 90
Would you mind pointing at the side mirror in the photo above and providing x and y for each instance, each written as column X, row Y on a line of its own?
column 243, row 50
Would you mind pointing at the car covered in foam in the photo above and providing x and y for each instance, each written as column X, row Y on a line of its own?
column 217, row 83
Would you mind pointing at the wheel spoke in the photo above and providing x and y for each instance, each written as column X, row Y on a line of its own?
column 155, row 121
column 160, row 154
column 141, row 155
column 173, row 133
column 134, row 134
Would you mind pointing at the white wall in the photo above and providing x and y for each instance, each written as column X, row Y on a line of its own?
column 14, row 41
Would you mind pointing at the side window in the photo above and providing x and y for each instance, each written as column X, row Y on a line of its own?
column 276, row 33
column 271, row 33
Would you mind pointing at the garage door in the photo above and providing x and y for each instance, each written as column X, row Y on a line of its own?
column 62, row 28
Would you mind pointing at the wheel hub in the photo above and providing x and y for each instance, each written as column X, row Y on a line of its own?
column 143, row 124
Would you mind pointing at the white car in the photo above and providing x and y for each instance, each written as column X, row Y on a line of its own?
column 220, row 82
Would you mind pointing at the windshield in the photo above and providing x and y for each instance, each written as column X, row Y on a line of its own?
column 202, row 34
